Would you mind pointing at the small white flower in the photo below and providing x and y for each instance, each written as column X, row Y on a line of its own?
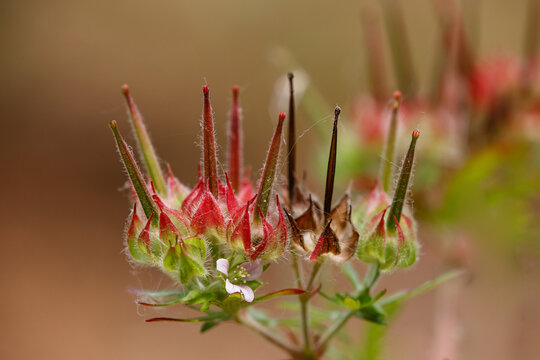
column 246, row 272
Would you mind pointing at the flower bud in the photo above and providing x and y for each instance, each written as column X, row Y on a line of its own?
column 391, row 249
column 387, row 236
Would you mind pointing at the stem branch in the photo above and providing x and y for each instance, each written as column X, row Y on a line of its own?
column 263, row 331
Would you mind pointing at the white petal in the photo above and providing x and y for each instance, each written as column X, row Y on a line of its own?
column 247, row 292
column 222, row 265
column 254, row 269
column 243, row 289
column 231, row 288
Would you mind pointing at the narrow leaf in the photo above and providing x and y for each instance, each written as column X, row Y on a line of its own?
column 428, row 285
column 215, row 316
column 284, row 292
column 157, row 293
column 209, row 325
column 165, row 303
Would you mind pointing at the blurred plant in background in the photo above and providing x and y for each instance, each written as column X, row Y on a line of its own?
column 480, row 122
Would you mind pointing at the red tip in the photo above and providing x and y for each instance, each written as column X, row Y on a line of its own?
column 282, row 116
column 206, row 90
column 125, row 89
column 235, row 91
column 415, row 134
column 397, row 95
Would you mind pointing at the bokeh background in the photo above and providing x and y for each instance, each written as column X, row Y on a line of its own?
column 63, row 276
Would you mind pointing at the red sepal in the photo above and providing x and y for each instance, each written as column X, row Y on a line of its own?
column 145, row 234
column 168, row 233
column 242, row 227
column 208, row 215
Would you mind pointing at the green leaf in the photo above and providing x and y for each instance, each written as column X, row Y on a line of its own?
column 373, row 313
column 378, row 296
column 209, row 325
column 158, row 293
column 329, row 298
column 428, row 285
column 166, row 303
column 203, row 298
column 214, row 316
column 351, row 303
column 284, row 292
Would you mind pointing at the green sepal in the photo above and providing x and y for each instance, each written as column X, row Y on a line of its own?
column 134, row 229
column 189, row 268
column 371, row 250
column 196, row 248
column 171, row 260
column 138, row 252
column 406, row 254
column 192, row 256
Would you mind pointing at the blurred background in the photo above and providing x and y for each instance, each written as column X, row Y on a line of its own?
column 63, row 276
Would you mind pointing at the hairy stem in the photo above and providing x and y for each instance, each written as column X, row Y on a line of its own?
column 263, row 331
column 304, row 311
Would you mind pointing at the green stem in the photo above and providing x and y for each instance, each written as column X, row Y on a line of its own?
column 304, row 315
column 304, row 311
column 296, row 268
column 370, row 280
column 334, row 329
column 314, row 273
column 372, row 275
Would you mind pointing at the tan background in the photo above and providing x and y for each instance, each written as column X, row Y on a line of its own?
column 63, row 277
